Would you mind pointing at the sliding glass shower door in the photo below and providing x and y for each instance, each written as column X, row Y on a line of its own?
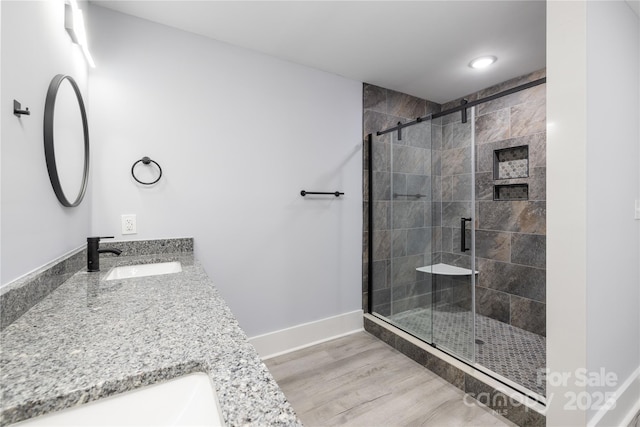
column 422, row 231
column 402, row 228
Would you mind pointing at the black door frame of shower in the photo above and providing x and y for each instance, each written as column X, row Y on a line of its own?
column 369, row 153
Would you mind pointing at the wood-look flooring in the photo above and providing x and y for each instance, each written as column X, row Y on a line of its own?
column 358, row 380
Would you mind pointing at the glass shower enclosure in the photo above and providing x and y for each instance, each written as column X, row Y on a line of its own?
column 456, row 233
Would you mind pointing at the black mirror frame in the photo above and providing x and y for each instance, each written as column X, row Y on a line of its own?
column 49, row 151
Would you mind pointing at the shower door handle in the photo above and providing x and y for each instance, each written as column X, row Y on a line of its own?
column 463, row 234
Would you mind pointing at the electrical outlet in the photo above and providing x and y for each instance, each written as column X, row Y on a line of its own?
column 637, row 216
column 129, row 224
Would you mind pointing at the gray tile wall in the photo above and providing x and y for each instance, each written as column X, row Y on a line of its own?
column 510, row 235
column 452, row 180
column 402, row 235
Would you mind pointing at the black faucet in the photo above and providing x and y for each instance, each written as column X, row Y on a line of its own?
column 94, row 251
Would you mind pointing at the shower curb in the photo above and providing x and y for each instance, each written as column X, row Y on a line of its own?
column 512, row 405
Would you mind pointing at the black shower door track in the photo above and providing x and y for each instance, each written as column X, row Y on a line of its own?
column 465, row 106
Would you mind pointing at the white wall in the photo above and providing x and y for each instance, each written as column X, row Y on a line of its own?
column 613, row 145
column 566, row 204
column 238, row 135
column 593, row 241
column 35, row 227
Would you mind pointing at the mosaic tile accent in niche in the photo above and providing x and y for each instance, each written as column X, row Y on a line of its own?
column 515, row 153
column 512, row 169
column 511, row 163
column 511, row 192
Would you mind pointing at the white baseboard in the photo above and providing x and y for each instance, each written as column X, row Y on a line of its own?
column 625, row 402
column 307, row 334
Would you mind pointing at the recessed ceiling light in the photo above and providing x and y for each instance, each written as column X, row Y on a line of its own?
column 482, row 62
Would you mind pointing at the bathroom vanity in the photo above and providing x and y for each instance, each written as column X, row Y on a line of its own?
column 92, row 338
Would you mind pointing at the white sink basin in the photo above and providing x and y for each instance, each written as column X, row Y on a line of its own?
column 141, row 270
column 185, row 401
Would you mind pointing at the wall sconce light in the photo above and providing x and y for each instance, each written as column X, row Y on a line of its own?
column 74, row 24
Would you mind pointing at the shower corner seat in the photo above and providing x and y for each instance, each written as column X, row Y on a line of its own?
column 445, row 269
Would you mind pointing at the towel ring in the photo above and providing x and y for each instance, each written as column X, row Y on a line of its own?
column 145, row 161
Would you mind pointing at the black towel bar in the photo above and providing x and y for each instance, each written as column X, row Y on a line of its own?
column 335, row 193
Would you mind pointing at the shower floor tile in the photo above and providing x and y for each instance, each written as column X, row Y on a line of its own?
column 512, row 352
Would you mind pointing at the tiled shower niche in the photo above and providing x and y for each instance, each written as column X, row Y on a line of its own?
column 511, row 192
column 509, row 163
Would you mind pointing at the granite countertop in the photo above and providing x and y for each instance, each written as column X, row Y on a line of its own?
column 92, row 338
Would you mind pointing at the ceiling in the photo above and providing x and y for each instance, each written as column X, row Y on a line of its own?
column 418, row 47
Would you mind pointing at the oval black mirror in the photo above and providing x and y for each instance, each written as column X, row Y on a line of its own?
column 66, row 132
